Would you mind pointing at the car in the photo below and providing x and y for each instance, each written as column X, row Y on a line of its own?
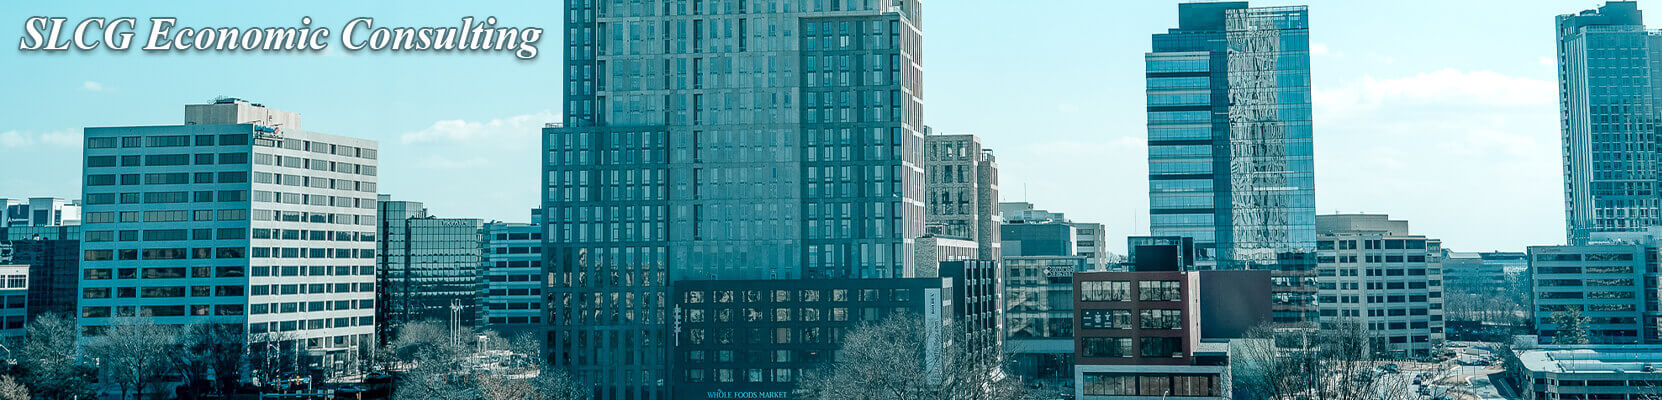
column 1391, row 368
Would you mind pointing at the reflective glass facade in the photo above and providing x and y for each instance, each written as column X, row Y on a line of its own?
column 427, row 266
column 1229, row 134
column 722, row 140
column 1607, row 82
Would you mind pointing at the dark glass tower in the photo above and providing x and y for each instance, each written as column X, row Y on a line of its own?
column 1607, row 83
column 1229, row 139
column 734, row 140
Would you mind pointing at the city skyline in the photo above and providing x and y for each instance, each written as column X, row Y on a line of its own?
column 1503, row 95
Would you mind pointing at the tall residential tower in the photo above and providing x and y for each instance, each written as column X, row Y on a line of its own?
column 722, row 141
column 1607, row 90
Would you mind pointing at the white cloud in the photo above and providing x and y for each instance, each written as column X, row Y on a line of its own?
column 474, row 131
column 1547, row 61
column 92, row 86
column 18, row 139
column 1318, row 49
column 1447, row 87
column 443, row 162
column 1470, row 157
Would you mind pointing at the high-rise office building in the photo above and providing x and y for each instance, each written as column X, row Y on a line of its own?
column 1229, row 143
column 724, row 140
column 1373, row 273
column 428, row 268
column 512, row 299
column 237, row 217
column 961, row 191
column 1607, row 93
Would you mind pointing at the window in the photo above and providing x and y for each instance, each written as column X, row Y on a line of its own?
column 1105, row 347
column 167, row 141
column 1105, row 291
column 166, row 159
column 1159, row 291
column 1162, row 347
column 1161, row 319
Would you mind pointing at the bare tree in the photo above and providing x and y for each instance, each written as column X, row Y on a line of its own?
column 894, row 359
column 430, row 359
column 213, row 352
column 527, row 374
column 49, row 361
column 11, row 389
column 435, row 364
column 134, row 353
column 1341, row 362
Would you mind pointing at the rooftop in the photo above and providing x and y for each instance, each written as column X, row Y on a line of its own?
column 1592, row 358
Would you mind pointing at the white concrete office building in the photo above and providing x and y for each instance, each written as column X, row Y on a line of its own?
column 1371, row 271
column 237, row 217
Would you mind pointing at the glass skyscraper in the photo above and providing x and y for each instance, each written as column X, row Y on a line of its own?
column 429, row 268
column 1607, row 83
column 718, row 141
column 1229, row 140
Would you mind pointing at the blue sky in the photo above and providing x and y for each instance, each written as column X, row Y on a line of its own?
column 1441, row 113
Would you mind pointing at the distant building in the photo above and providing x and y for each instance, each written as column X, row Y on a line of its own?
column 1034, row 238
column 934, row 250
column 512, row 301
column 1591, row 372
column 237, row 217
column 1029, row 231
column 1372, row 272
column 759, row 337
column 53, row 254
column 1466, row 271
column 428, row 267
column 40, row 211
column 14, row 297
column 961, row 191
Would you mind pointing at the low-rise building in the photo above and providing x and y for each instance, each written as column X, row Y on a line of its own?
column 758, row 338
column 1591, row 372
column 1038, row 313
column 1604, row 283
column 1138, row 337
